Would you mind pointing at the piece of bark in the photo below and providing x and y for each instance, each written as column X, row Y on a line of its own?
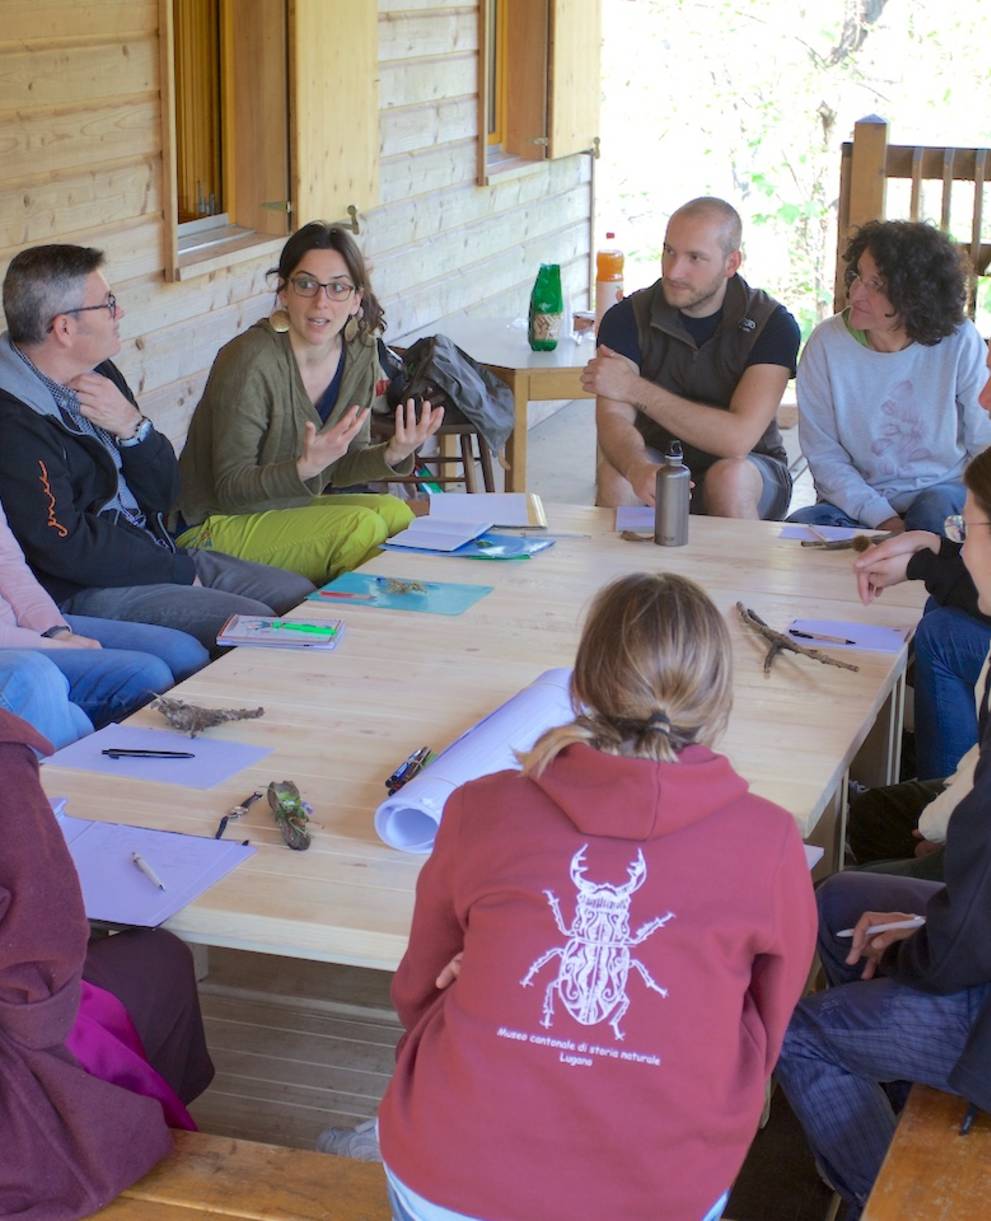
column 859, row 542
column 780, row 643
column 192, row 719
column 634, row 536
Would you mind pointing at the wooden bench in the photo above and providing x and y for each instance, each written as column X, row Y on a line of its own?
column 931, row 1171
column 208, row 1178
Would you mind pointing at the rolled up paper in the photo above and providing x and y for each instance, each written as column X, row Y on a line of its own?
column 410, row 818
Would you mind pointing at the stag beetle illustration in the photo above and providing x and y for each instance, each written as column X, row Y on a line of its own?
column 595, row 964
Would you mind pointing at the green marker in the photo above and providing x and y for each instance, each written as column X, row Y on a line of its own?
column 305, row 627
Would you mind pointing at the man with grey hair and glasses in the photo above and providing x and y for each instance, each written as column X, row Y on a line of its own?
column 86, row 481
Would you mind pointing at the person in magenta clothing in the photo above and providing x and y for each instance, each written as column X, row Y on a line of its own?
column 101, row 1043
column 635, row 929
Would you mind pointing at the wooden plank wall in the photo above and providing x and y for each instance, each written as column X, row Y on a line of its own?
column 80, row 139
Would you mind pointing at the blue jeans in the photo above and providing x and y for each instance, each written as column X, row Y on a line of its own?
column 842, row 1044
column 950, row 648
column 926, row 510
column 63, row 693
column 182, row 653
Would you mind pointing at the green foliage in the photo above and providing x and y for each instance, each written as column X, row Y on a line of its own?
column 751, row 100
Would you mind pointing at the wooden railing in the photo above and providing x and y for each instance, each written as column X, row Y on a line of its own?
column 869, row 163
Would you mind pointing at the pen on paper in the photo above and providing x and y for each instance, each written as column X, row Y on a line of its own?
column 794, row 631
column 823, row 538
column 138, row 860
column 116, row 752
column 874, row 929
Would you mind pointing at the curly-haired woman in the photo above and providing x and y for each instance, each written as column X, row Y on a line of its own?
column 887, row 389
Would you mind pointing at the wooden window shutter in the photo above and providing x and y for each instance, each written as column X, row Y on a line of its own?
column 575, row 75
column 525, row 79
column 334, row 108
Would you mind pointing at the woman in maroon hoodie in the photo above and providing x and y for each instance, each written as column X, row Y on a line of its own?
column 636, row 929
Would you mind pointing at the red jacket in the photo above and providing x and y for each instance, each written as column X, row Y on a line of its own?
column 635, row 937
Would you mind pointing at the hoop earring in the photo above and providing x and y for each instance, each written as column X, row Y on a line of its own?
column 351, row 329
column 279, row 321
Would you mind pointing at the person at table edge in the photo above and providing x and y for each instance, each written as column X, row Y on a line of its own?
column 86, row 479
column 888, row 412
column 701, row 357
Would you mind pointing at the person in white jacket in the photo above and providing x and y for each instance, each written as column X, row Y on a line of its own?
column 888, row 389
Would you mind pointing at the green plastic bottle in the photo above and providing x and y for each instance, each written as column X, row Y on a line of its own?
column 546, row 308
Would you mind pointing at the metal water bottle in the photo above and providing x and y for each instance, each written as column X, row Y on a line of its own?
column 671, row 499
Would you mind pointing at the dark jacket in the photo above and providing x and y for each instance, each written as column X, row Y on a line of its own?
column 946, row 578
column 710, row 374
column 952, row 950
column 53, row 483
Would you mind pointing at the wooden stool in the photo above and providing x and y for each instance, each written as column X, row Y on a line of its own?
column 455, row 425
column 931, row 1171
column 209, row 1176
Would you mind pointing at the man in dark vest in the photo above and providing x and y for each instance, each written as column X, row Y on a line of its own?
column 703, row 358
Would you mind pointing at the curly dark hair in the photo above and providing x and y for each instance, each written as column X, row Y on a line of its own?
column 924, row 273
column 319, row 235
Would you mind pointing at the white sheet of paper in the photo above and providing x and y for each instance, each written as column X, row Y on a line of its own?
column 409, row 820
column 870, row 637
column 430, row 534
column 114, row 888
column 499, row 508
column 635, row 517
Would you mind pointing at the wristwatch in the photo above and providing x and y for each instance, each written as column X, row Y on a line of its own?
column 140, row 434
column 60, row 629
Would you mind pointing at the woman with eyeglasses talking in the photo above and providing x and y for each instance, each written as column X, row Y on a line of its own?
column 284, row 419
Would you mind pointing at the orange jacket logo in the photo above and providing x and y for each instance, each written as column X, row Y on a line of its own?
column 53, row 521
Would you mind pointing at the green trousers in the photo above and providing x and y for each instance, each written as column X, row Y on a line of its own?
column 330, row 535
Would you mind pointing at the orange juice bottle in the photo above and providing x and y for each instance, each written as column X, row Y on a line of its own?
column 608, row 278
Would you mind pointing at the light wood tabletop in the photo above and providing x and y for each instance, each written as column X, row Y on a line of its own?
column 340, row 722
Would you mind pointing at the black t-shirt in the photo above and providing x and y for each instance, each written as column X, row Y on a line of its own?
column 777, row 344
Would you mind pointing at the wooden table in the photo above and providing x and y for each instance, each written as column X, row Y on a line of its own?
column 340, row 722
column 532, row 376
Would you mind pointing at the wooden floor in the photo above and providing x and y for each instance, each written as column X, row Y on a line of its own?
column 297, row 1046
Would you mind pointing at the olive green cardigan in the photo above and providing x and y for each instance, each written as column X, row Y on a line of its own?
column 248, row 429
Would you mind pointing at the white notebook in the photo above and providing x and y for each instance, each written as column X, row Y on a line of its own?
column 433, row 534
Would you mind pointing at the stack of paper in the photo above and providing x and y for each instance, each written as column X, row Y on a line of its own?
column 497, row 508
column 255, row 630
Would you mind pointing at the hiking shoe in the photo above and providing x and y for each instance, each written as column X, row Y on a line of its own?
column 360, row 1143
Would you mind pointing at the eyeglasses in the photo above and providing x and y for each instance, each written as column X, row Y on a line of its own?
column 309, row 286
column 956, row 528
column 873, row 288
column 110, row 305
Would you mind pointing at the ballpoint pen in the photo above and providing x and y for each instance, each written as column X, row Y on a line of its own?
column 826, row 639
column 117, row 752
column 874, row 929
column 138, row 860
column 399, row 775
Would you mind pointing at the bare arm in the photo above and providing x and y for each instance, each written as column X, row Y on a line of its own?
column 730, row 433
column 623, row 446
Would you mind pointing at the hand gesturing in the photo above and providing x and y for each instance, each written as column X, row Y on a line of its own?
column 322, row 449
